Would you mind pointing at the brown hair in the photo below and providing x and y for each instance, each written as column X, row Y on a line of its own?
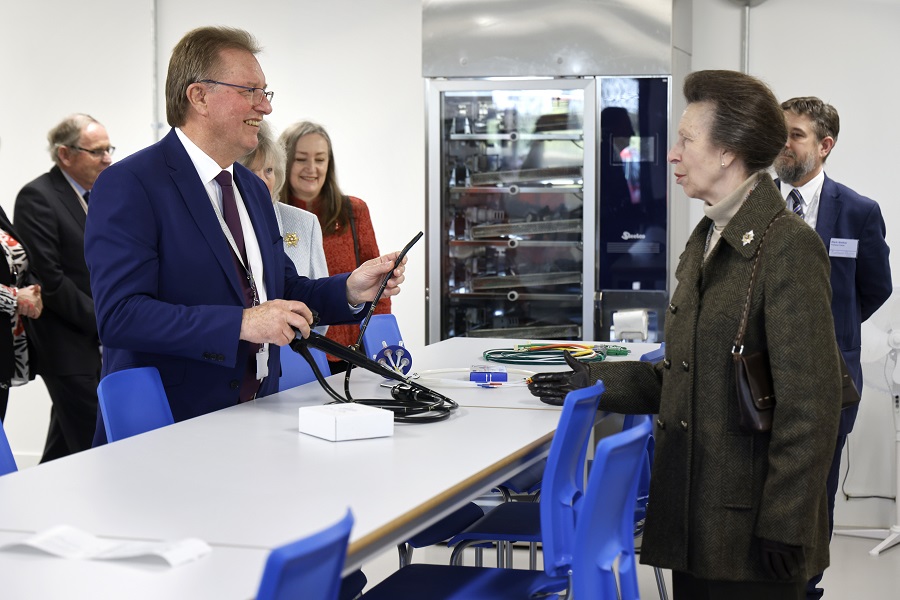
column 196, row 57
column 748, row 120
column 334, row 208
column 825, row 118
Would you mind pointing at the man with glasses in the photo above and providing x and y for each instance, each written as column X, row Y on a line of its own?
column 50, row 215
column 187, row 265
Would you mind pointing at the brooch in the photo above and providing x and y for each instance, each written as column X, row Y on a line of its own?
column 291, row 239
column 748, row 237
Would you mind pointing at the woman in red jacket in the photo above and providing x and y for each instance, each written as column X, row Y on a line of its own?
column 348, row 236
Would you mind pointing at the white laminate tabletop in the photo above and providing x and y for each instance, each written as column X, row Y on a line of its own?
column 224, row 573
column 459, row 354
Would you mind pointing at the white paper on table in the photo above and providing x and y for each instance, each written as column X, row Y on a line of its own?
column 69, row 542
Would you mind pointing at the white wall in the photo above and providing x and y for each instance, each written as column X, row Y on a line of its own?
column 845, row 53
column 356, row 67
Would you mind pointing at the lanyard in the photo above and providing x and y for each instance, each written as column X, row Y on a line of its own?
column 234, row 248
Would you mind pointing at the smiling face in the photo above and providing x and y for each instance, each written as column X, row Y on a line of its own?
column 309, row 167
column 698, row 162
column 803, row 154
column 225, row 122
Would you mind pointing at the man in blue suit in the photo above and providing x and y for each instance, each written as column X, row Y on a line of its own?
column 186, row 262
column 853, row 230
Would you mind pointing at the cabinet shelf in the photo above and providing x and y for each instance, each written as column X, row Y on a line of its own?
column 514, row 136
column 512, row 190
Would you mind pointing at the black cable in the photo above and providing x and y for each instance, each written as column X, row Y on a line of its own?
column 412, row 403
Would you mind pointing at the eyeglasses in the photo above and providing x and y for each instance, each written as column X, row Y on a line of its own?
column 96, row 152
column 256, row 94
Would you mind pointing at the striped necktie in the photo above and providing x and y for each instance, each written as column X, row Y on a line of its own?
column 797, row 199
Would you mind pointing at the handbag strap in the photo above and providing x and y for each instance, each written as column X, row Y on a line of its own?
column 745, row 316
column 353, row 231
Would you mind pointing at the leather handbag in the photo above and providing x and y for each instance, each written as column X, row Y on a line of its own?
column 753, row 374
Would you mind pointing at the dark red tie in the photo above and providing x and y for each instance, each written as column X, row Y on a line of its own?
column 230, row 212
column 249, row 383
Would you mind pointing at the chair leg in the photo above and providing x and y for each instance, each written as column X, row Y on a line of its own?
column 660, row 583
column 532, row 556
column 405, row 551
column 479, row 556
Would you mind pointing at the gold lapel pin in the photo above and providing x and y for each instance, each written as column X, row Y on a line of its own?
column 291, row 239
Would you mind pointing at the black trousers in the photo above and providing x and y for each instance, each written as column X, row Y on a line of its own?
column 73, row 416
column 688, row 587
column 4, row 401
column 813, row 592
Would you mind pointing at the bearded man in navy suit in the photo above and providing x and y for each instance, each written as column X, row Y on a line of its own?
column 177, row 285
column 853, row 230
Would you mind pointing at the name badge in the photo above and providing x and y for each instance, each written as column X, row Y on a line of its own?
column 843, row 248
column 262, row 362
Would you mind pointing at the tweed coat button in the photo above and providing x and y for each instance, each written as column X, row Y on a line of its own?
column 673, row 309
column 234, row 384
column 685, row 366
column 667, row 363
column 684, row 425
column 660, row 423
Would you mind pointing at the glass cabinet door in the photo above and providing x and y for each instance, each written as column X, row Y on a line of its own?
column 511, row 174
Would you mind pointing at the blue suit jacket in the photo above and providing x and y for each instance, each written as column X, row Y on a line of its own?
column 858, row 286
column 166, row 292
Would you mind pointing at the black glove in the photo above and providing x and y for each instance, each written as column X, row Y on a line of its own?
column 781, row 561
column 552, row 388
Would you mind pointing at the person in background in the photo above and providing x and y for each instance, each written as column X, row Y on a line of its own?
column 349, row 236
column 20, row 300
column 299, row 228
column 50, row 215
column 736, row 515
column 187, row 265
column 853, row 230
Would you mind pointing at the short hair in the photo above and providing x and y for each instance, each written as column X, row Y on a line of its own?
column 748, row 121
column 825, row 118
column 196, row 57
column 333, row 209
column 268, row 150
column 67, row 133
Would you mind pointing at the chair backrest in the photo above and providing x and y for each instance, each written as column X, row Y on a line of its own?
column 309, row 568
column 605, row 528
column 563, row 485
column 296, row 371
column 133, row 401
column 382, row 329
column 7, row 461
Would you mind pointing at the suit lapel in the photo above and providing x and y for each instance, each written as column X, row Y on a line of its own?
column 258, row 219
column 68, row 196
column 195, row 197
column 830, row 204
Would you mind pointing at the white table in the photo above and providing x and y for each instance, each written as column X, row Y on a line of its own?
column 245, row 480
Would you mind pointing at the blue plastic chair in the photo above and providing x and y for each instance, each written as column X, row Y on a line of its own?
column 604, row 533
column 309, row 568
column 562, row 494
column 517, row 521
column 7, row 460
column 133, row 401
column 296, row 371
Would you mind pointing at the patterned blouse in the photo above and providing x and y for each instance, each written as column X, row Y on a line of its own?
column 17, row 263
column 341, row 259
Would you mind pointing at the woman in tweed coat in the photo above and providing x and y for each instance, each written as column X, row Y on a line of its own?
column 735, row 514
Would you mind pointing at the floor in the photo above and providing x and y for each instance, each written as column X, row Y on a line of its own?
column 853, row 575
